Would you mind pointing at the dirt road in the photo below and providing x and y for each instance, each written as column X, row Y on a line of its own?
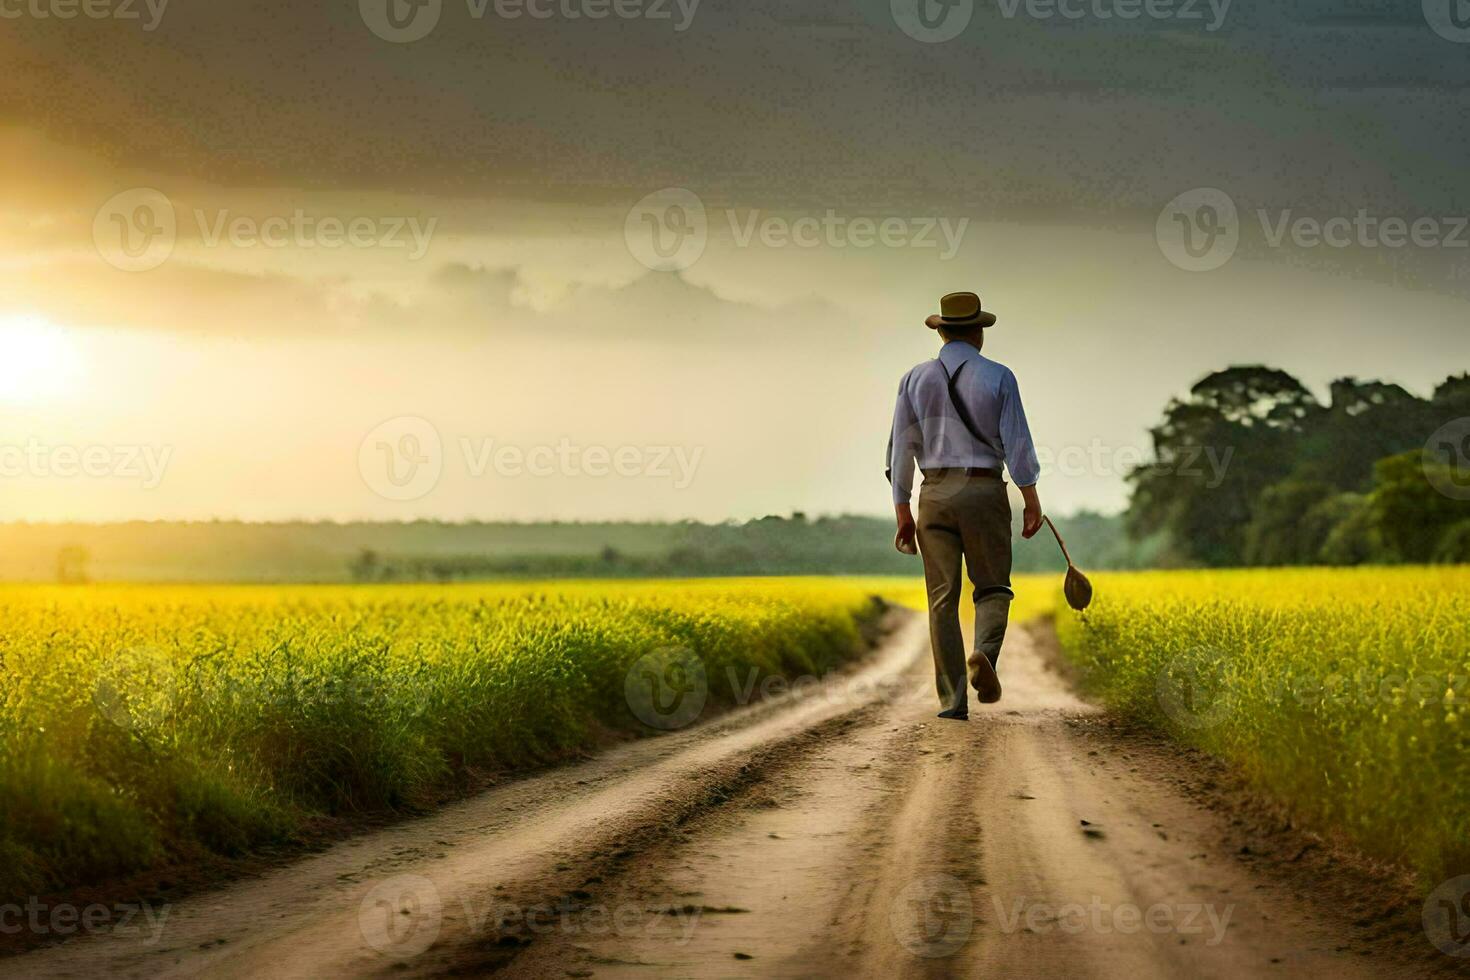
column 845, row 832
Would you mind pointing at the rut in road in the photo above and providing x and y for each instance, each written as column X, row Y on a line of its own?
column 848, row 832
column 1012, row 845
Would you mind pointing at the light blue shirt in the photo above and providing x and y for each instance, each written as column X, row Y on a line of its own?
column 928, row 430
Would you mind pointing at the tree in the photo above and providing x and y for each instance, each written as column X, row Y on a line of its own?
column 1365, row 422
column 1354, row 538
column 1288, row 527
column 1411, row 514
column 1452, row 399
column 1454, row 544
column 366, row 567
column 71, row 564
column 1214, row 454
column 1249, row 468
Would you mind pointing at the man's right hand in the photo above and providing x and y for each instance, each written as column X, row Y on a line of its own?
column 1031, row 518
column 904, row 540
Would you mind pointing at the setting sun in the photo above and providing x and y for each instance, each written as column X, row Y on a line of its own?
column 38, row 360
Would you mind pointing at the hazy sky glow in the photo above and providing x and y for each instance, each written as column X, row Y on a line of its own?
column 243, row 251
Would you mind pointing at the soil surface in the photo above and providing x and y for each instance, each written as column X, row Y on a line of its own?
column 839, row 830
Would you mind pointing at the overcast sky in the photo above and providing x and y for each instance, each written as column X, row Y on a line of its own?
column 347, row 260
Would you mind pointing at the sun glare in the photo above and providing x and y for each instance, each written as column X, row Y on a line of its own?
column 38, row 360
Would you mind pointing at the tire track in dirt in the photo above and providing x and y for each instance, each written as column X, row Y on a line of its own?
column 1029, row 842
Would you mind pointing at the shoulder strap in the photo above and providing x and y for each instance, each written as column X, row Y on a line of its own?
column 961, row 410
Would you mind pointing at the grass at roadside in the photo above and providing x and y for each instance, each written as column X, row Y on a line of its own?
column 1342, row 693
column 141, row 725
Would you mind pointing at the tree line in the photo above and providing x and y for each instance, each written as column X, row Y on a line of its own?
column 1375, row 475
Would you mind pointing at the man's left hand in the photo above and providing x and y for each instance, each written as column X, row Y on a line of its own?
column 1031, row 518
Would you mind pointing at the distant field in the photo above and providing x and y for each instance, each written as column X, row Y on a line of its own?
column 234, row 551
column 431, row 551
column 142, row 724
column 1341, row 692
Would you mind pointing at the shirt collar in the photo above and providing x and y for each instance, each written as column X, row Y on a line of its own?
column 956, row 352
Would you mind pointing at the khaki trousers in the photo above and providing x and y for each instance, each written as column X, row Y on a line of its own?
column 964, row 519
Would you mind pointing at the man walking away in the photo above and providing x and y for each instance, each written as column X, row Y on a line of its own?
column 959, row 417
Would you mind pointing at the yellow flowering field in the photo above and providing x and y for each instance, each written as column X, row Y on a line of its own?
column 140, row 724
column 1339, row 691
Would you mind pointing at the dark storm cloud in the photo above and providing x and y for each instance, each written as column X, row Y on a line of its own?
column 754, row 105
